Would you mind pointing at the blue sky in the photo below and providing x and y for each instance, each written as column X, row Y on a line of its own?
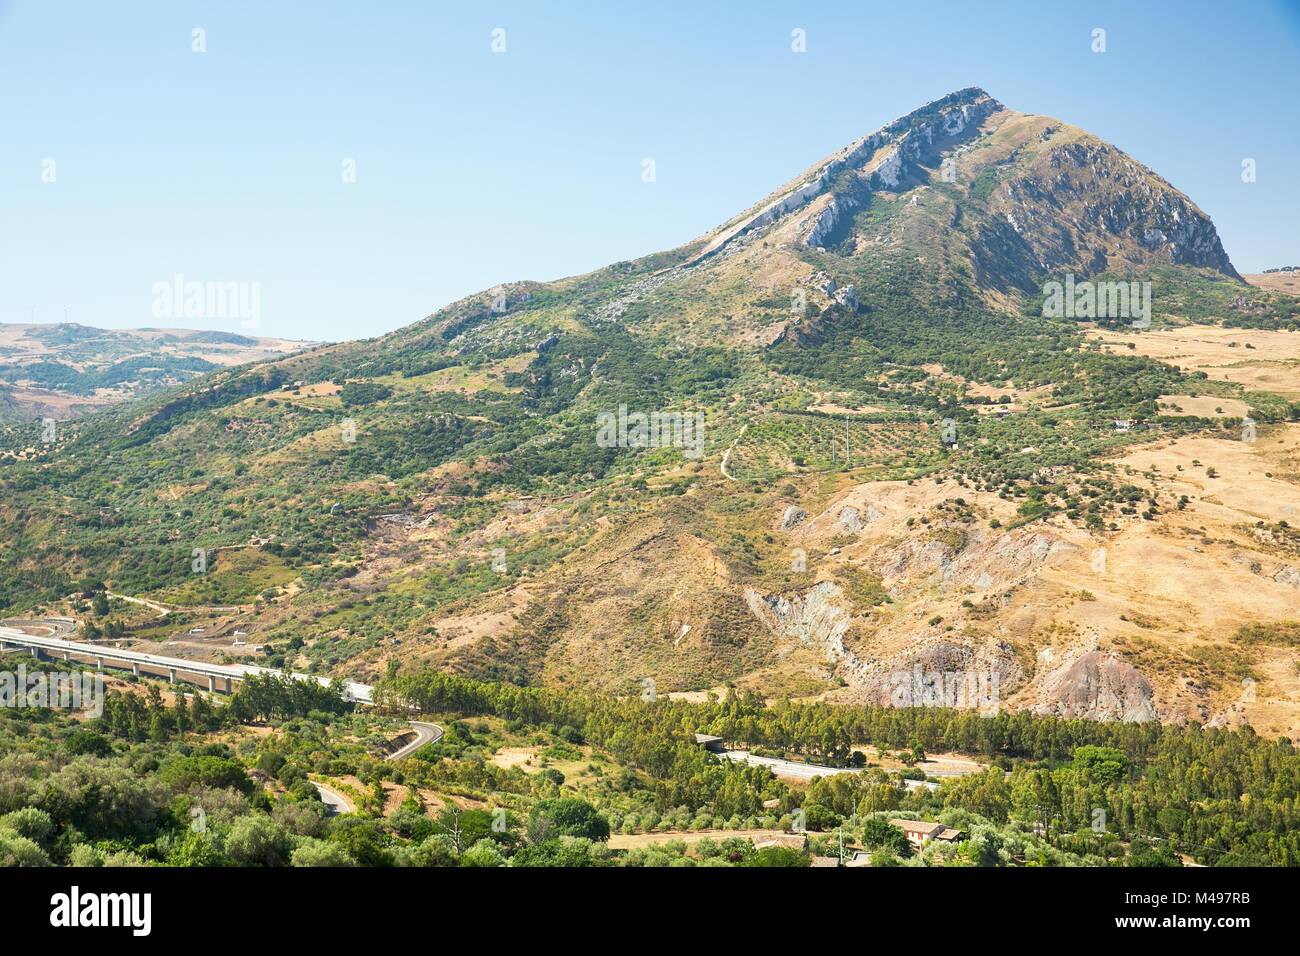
column 475, row 167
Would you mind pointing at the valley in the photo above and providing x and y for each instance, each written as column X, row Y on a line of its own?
column 925, row 512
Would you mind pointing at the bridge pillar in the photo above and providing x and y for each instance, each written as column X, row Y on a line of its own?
column 135, row 669
column 171, row 674
column 99, row 663
column 66, row 656
column 212, row 684
column 36, row 653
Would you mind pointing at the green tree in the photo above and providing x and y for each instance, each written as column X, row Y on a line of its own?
column 778, row 856
column 566, row 816
column 197, row 849
column 257, row 840
column 482, row 853
column 313, row 852
column 878, row 833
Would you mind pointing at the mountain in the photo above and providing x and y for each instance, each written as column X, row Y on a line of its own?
column 867, row 447
column 1039, row 196
column 64, row 370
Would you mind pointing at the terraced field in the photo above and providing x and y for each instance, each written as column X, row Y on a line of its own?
column 780, row 444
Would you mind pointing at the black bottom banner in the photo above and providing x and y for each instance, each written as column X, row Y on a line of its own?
column 145, row 906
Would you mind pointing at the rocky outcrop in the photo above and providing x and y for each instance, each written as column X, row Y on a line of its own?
column 814, row 618
column 1085, row 207
column 911, row 137
column 943, row 673
column 849, row 521
column 923, row 133
column 954, row 557
column 825, row 222
column 612, row 310
column 1099, row 686
column 793, row 516
column 1287, row 575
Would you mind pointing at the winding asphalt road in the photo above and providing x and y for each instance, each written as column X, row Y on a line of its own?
column 425, row 733
column 336, row 802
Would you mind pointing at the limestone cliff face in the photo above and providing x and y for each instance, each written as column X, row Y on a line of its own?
column 890, row 158
column 1016, row 197
column 1074, row 203
column 933, row 673
column 882, row 159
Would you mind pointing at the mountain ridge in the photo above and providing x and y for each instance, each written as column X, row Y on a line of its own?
column 918, row 460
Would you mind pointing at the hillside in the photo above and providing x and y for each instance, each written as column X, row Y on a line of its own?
column 1277, row 280
column 65, row 370
column 903, row 461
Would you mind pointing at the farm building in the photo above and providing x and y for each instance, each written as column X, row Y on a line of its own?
column 921, row 832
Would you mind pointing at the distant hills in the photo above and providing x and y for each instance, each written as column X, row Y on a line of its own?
column 64, row 370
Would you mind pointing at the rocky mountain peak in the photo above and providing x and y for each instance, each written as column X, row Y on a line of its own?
column 968, row 186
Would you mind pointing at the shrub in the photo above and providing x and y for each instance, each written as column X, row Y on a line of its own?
column 313, row 852
column 257, row 840
column 566, row 816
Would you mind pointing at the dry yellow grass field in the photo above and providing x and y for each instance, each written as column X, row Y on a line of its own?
column 1276, row 281
column 1258, row 359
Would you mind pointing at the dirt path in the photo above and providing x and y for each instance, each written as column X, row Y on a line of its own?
column 163, row 609
column 726, row 455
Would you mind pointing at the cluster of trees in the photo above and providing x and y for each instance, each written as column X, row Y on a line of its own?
column 278, row 696
column 259, row 697
column 1214, row 794
column 126, row 788
column 104, row 794
column 146, row 717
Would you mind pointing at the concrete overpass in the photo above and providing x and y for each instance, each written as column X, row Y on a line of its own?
column 219, row 676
